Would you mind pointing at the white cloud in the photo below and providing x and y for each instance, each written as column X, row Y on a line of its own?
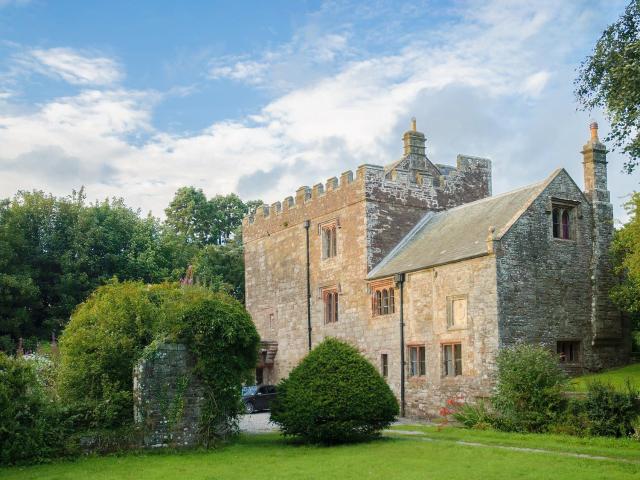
column 73, row 67
column 496, row 83
column 248, row 71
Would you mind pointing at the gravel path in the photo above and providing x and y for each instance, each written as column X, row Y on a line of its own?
column 257, row 423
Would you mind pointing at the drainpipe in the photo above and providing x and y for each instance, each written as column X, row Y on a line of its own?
column 307, row 224
column 399, row 279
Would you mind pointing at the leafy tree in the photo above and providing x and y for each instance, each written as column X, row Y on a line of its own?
column 610, row 78
column 190, row 216
column 626, row 262
column 222, row 268
column 55, row 251
column 334, row 395
column 228, row 212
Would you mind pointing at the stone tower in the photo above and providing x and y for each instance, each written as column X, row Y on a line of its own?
column 605, row 319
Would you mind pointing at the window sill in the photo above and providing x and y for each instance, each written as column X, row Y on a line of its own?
column 456, row 328
column 563, row 240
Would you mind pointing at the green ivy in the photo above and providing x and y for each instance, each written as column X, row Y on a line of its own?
column 123, row 322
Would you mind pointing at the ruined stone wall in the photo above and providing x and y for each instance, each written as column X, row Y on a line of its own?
column 544, row 283
column 167, row 397
column 427, row 295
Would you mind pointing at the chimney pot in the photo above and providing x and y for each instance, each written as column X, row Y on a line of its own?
column 594, row 131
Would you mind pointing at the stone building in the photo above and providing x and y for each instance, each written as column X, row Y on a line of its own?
column 428, row 275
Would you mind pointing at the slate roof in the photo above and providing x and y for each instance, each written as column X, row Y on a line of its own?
column 458, row 233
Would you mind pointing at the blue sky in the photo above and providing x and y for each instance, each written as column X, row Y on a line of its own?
column 136, row 99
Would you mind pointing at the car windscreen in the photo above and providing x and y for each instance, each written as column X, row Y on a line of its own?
column 246, row 391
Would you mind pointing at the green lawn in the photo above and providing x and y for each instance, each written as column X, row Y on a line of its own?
column 429, row 455
column 617, row 377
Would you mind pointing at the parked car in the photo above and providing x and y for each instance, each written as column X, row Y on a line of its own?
column 258, row 397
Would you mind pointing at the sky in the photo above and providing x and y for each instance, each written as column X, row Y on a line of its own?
column 137, row 99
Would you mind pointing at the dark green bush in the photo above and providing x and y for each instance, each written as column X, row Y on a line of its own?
column 334, row 395
column 529, row 390
column 110, row 331
column 31, row 427
column 610, row 412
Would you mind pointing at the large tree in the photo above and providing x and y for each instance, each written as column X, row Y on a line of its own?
column 626, row 262
column 55, row 251
column 610, row 79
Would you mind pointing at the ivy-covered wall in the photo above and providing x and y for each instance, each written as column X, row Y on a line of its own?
column 167, row 397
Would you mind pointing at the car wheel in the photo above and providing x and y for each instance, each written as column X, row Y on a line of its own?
column 249, row 407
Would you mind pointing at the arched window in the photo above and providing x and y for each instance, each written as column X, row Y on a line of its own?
column 330, row 298
column 377, row 304
column 562, row 218
column 565, row 224
column 329, row 241
column 556, row 223
column 383, row 301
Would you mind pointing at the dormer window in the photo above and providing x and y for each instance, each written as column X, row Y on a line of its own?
column 329, row 240
column 562, row 217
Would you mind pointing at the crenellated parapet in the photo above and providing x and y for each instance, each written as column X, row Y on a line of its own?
column 412, row 183
column 469, row 180
column 308, row 202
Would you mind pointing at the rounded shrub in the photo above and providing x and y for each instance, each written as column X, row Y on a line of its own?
column 334, row 395
column 529, row 390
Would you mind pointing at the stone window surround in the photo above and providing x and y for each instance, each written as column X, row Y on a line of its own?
column 451, row 326
column 332, row 224
column 572, row 206
column 421, row 360
column 451, row 343
column 376, row 289
column 578, row 361
column 331, row 312
column 384, row 364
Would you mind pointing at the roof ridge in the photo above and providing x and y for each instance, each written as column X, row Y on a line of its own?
column 493, row 197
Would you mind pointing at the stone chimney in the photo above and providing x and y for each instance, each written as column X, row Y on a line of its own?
column 595, row 167
column 414, row 157
column 605, row 319
column 414, row 141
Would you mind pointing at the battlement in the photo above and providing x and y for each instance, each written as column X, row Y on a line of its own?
column 411, row 187
column 413, row 181
column 303, row 197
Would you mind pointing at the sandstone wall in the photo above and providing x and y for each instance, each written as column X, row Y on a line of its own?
column 373, row 212
column 427, row 295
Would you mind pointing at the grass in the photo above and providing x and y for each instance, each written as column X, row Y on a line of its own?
column 432, row 454
column 617, row 377
column 622, row 448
